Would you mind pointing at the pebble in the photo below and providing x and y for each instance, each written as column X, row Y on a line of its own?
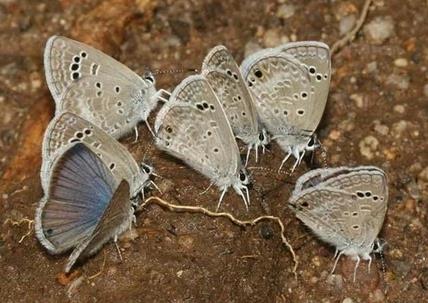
column 423, row 175
column 346, row 24
column 401, row 62
column 377, row 296
column 285, row 11
column 336, row 281
column 398, row 128
column 251, row 47
column 368, row 146
column 334, row 135
column 400, row 81
column 272, row 38
column 316, row 261
column 372, row 67
column 379, row 30
column 381, row 128
column 399, row 108
column 348, row 300
column 358, row 99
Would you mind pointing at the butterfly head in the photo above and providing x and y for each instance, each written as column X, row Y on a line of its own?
column 244, row 178
column 147, row 169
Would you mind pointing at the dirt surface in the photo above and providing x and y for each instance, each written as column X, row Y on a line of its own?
column 377, row 114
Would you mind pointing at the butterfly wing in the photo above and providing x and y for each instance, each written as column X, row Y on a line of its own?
column 116, row 218
column 315, row 56
column 79, row 191
column 224, row 76
column 282, row 90
column 193, row 127
column 346, row 208
column 82, row 79
column 68, row 128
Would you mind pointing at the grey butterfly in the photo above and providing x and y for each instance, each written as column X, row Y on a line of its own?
column 290, row 84
column 91, row 84
column 343, row 206
column 68, row 128
column 224, row 76
column 193, row 127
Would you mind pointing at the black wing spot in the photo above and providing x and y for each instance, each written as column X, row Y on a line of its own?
column 360, row 194
column 98, row 84
column 229, row 72
column 83, row 54
column 305, row 204
column 285, row 113
column 99, row 93
column 200, row 106
column 368, row 194
column 355, row 227
column 76, row 59
column 87, row 131
column 243, row 114
column 312, row 70
column 235, row 76
column 319, row 77
column 304, row 95
column 215, row 150
column 75, row 75
column 300, row 112
column 258, row 73
column 112, row 166
column 119, row 103
column 205, row 105
column 212, row 107
column 49, row 231
column 168, row 129
column 79, row 135
column 74, row 67
column 117, row 89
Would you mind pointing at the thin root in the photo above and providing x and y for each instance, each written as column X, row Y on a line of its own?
column 350, row 36
column 17, row 223
column 101, row 270
column 197, row 209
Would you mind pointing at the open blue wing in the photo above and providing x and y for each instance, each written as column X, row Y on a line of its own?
column 79, row 192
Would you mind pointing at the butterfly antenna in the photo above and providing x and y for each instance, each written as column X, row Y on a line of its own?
column 174, row 71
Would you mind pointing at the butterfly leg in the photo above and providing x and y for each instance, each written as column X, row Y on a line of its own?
column 290, row 152
column 370, row 263
column 118, row 248
column 239, row 191
column 221, row 198
column 248, row 154
column 335, row 262
column 136, row 133
column 296, row 155
column 150, row 128
column 162, row 95
column 356, row 266
column 209, row 186
column 248, row 195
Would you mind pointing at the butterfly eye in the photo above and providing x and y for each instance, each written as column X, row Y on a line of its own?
column 261, row 137
column 147, row 169
column 243, row 177
column 150, row 78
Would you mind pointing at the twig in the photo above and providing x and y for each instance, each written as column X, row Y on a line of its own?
column 350, row 36
column 101, row 270
column 197, row 209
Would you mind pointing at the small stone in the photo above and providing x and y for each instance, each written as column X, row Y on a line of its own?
column 368, row 146
column 399, row 108
column 372, row 67
column 379, row 30
column 346, row 24
column 316, row 261
column 426, row 90
column 348, row 300
column 180, row 273
column 285, row 11
column 398, row 128
column 381, row 128
column 272, row 38
column 334, row 135
column 423, row 175
column 396, row 253
column 335, row 280
column 313, row 280
column 399, row 81
column 358, row 99
column 377, row 296
column 401, row 62
column 251, row 47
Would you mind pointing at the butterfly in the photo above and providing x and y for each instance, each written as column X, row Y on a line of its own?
column 84, row 205
column 93, row 85
column 344, row 207
column 193, row 127
column 290, row 84
column 224, row 76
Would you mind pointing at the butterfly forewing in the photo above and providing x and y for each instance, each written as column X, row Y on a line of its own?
column 67, row 129
column 315, row 56
column 82, row 79
column 224, row 75
column 193, row 127
column 282, row 91
column 79, row 191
